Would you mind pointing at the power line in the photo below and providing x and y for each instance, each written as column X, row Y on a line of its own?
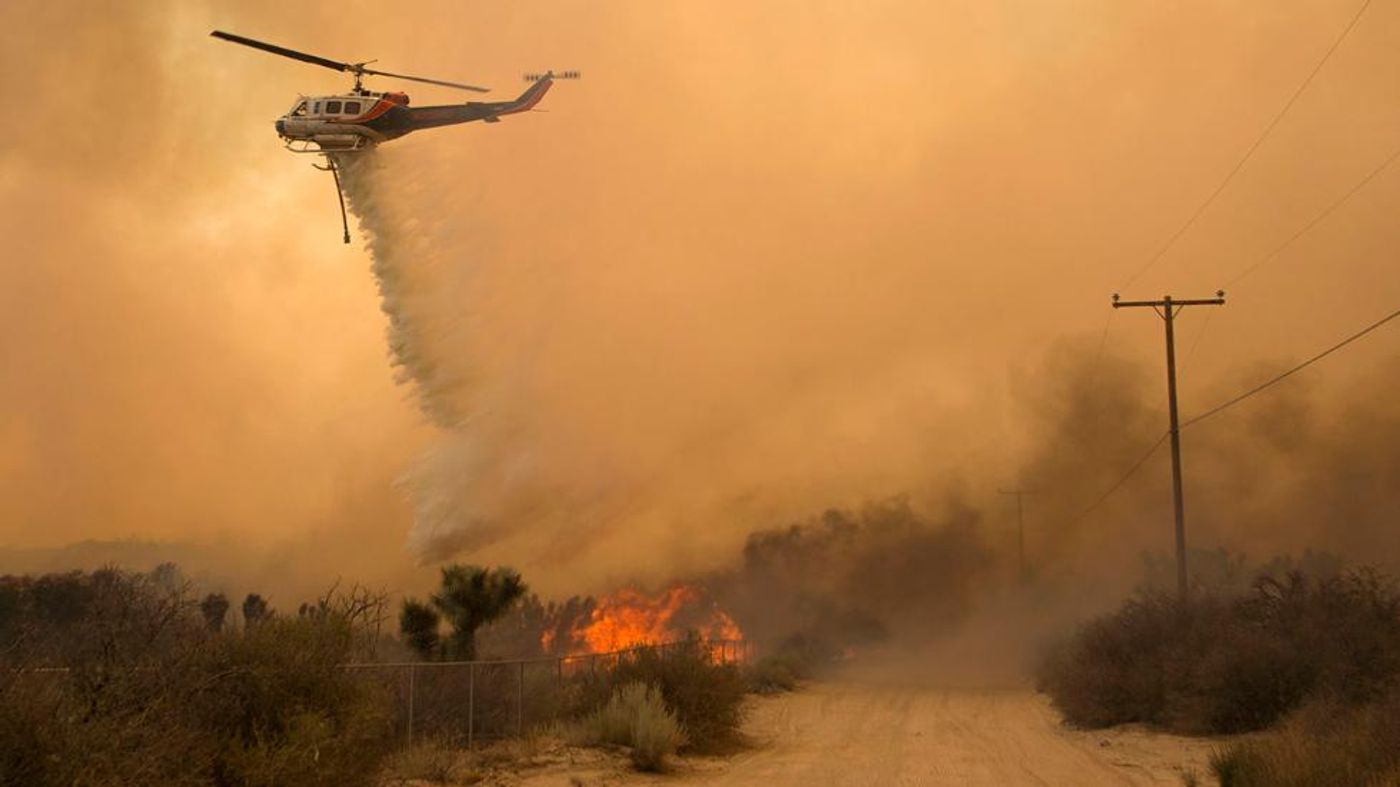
column 1319, row 218
column 1249, row 153
column 1132, row 470
column 1199, row 335
column 1305, row 364
column 1098, row 355
column 1123, row 479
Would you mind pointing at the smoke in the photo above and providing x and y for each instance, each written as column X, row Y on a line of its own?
column 650, row 331
column 562, row 438
column 884, row 575
column 1301, row 466
column 755, row 265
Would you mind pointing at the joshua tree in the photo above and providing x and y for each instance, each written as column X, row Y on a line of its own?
column 255, row 609
column 470, row 597
column 214, row 607
column 418, row 623
column 473, row 596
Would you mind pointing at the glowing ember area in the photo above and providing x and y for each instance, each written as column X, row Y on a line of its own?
column 629, row 618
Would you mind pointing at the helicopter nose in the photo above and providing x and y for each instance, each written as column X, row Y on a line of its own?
column 281, row 127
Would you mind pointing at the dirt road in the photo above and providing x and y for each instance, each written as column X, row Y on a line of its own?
column 861, row 735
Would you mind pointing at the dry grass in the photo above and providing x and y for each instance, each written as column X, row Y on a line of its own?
column 432, row 762
column 1326, row 744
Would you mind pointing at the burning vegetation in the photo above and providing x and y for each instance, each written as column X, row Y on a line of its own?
column 630, row 618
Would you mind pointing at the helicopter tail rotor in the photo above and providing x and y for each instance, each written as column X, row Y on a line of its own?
column 553, row 75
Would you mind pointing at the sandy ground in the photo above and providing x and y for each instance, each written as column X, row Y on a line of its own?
column 853, row 734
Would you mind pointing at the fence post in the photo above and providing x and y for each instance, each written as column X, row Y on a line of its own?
column 412, row 684
column 520, row 703
column 471, row 705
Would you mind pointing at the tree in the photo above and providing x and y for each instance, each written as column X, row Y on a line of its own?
column 418, row 623
column 214, row 607
column 471, row 597
column 255, row 609
column 167, row 577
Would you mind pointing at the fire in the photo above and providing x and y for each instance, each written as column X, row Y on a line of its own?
column 629, row 618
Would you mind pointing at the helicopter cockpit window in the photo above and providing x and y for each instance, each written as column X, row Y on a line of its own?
column 332, row 107
column 352, row 107
column 300, row 110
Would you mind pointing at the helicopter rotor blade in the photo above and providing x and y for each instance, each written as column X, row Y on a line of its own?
column 457, row 85
column 283, row 51
column 336, row 65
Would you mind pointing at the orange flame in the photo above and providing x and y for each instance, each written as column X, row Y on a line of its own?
column 629, row 618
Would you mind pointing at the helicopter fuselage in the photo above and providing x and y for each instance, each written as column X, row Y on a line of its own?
column 362, row 119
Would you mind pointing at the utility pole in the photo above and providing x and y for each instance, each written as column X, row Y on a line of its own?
column 1167, row 309
column 1020, row 526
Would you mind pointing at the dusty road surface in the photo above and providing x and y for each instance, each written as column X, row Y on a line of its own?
column 882, row 736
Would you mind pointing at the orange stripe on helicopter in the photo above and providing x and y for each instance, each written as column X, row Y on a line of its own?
column 379, row 108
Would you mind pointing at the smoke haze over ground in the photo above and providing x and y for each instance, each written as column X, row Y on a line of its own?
column 765, row 259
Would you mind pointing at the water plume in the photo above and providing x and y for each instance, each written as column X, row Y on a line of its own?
column 409, row 270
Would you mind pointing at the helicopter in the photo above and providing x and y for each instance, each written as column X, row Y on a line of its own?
column 362, row 119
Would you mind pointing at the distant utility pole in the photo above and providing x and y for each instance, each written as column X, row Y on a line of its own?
column 1167, row 309
column 1020, row 525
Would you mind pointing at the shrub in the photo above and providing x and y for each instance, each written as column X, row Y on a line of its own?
column 1324, row 744
column 707, row 697
column 152, row 695
column 776, row 674
column 435, row 762
column 284, row 710
column 637, row 717
column 1221, row 665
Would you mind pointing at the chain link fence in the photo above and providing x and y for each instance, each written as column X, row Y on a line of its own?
column 471, row 702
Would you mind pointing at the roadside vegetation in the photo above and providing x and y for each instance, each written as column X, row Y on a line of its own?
column 1228, row 664
column 114, row 678
column 635, row 716
column 706, row 697
column 1312, row 662
column 1326, row 743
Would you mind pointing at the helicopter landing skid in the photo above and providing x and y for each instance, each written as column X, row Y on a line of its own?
column 310, row 146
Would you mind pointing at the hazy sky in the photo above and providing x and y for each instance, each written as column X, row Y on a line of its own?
column 763, row 258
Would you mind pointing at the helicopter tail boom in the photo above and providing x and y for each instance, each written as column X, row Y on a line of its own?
column 409, row 119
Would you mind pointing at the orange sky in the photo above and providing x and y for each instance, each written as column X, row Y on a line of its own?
column 764, row 258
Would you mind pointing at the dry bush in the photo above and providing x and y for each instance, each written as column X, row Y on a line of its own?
column 152, row 695
column 634, row 716
column 777, row 674
column 1221, row 665
column 1325, row 744
column 707, row 697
